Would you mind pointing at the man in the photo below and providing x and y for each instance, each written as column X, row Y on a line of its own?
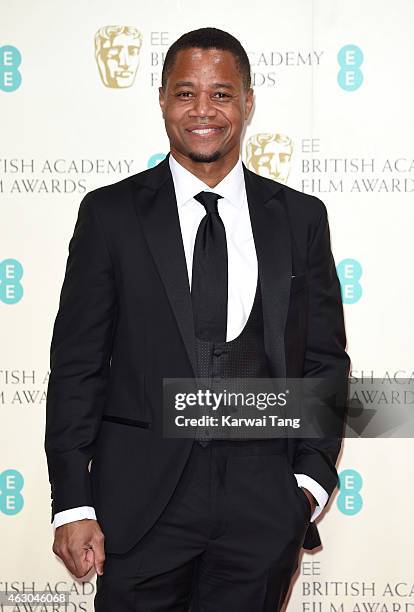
column 197, row 267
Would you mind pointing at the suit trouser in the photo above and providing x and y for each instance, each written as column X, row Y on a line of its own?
column 229, row 538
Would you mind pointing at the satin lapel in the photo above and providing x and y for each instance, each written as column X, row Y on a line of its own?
column 157, row 211
column 271, row 233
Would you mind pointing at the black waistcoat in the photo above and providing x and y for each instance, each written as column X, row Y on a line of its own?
column 244, row 356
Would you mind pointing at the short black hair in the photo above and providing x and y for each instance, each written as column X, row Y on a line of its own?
column 208, row 38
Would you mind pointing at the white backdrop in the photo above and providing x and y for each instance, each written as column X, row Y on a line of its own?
column 357, row 133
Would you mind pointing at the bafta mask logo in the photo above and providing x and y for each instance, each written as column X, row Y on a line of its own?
column 117, row 55
column 269, row 155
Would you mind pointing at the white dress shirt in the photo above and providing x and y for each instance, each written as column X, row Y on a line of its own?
column 242, row 275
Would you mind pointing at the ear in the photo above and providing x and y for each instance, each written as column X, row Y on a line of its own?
column 161, row 98
column 249, row 102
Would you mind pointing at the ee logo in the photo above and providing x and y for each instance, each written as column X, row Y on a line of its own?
column 349, row 273
column 155, row 159
column 11, row 272
column 10, row 60
column 349, row 499
column 11, row 499
column 350, row 58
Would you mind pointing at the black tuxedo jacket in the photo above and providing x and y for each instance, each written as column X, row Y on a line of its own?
column 125, row 322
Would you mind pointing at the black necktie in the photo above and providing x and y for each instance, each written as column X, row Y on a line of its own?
column 209, row 275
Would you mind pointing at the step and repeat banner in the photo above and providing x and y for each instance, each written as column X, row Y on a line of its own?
column 333, row 117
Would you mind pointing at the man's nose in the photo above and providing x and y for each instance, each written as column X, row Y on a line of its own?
column 202, row 106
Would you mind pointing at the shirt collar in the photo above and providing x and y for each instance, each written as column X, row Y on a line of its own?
column 187, row 185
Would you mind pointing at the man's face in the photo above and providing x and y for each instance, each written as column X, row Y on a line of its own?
column 205, row 105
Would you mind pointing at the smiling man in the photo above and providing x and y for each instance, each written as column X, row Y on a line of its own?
column 195, row 268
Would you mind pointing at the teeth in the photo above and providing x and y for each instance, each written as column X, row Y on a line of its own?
column 205, row 131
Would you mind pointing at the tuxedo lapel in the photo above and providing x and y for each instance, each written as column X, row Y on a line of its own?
column 157, row 210
column 271, row 233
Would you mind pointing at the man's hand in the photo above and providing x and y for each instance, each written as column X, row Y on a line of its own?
column 80, row 545
column 312, row 500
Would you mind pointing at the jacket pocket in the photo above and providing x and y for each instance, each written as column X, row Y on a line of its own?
column 126, row 421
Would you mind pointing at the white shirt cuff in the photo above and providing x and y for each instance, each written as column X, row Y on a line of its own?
column 317, row 491
column 73, row 514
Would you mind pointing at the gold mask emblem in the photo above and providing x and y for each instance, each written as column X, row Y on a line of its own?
column 269, row 155
column 117, row 55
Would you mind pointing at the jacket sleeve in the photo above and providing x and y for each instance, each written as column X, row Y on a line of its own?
column 325, row 358
column 79, row 361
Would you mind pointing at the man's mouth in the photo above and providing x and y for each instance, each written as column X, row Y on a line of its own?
column 207, row 131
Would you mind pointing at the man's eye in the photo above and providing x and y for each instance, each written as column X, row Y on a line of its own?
column 184, row 94
column 220, row 95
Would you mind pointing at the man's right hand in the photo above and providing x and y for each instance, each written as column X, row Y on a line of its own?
column 80, row 545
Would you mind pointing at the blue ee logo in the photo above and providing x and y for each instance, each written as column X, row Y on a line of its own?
column 350, row 58
column 349, row 500
column 349, row 273
column 155, row 159
column 10, row 60
column 11, row 499
column 11, row 272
